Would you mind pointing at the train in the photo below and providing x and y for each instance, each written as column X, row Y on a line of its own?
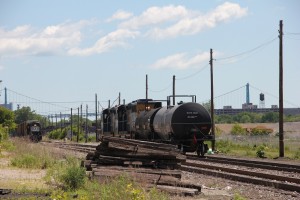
column 186, row 125
column 31, row 129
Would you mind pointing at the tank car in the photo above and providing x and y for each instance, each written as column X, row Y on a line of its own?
column 31, row 129
column 186, row 125
column 121, row 120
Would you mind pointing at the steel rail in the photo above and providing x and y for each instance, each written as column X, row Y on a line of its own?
column 275, row 181
column 250, row 163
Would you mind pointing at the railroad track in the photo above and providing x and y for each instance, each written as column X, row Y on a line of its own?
column 283, row 176
column 79, row 147
column 266, row 173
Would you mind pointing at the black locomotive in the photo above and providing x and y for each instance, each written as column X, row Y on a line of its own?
column 186, row 125
column 31, row 129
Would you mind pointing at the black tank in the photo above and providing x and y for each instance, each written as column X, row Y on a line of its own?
column 182, row 122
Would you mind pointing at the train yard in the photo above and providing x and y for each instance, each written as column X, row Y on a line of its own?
column 283, row 176
column 122, row 157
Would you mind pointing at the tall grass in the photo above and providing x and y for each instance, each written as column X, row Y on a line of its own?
column 252, row 146
column 66, row 174
column 33, row 156
column 121, row 187
column 67, row 180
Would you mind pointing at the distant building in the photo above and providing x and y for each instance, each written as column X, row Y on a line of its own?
column 227, row 107
column 249, row 106
column 8, row 106
column 228, row 110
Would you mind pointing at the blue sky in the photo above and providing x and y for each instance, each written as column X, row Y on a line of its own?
column 65, row 51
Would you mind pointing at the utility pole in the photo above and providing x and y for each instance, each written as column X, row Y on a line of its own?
column 71, row 124
column 97, row 138
column 5, row 93
column 212, row 101
column 55, row 120
column 119, row 98
column 146, row 86
column 281, row 137
column 80, row 116
column 86, row 124
column 78, row 124
column 60, row 122
column 173, row 90
column 0, row 88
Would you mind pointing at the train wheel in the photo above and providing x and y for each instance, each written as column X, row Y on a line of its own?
column 201, row 150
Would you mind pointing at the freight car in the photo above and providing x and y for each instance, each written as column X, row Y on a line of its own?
column 31, row 129
column 186, row 125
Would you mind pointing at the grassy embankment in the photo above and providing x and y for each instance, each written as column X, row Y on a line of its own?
column 241, row 143
column 63, row 176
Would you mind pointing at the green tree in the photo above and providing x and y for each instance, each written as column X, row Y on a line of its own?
column 245, row 119
column 224, row 119
column 270, row 117
column 7, row 118
column 24, row 114
column 207, row 106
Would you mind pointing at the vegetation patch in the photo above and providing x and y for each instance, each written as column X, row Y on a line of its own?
column 66, row 174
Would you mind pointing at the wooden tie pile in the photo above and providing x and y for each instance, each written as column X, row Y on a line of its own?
column 151, row 164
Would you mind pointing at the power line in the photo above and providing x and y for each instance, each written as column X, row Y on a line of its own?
column 37, row 99
column 225, row 93
column 114, row 102
column 248, row 51
column 194, row 74
column 161, row 89
column 289, row 33
column 291, row 38
column 230, row 92
column 276, row 97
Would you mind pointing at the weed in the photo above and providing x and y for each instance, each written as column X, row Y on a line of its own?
column 74, row 177
column 7, row 145
column 224, row 146
column 25, row 161
column 237, row 196
column 297, row 154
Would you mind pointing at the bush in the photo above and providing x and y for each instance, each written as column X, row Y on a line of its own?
column 7, row 145
column 57, row 134
column 3, row 133
column 238, row 130
column 261, row 151
column 66, row 174
column 74, row 177
column 224, row 146
column 261, row 131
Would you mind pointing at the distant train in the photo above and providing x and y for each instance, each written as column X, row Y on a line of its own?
column 186, row 125
column 31, row 129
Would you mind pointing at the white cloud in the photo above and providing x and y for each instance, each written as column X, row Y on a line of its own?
column 189, row 22
column 25, row 40
column 120, row 15
column 155, row 22
column 113, row 39
column 1, row 67
column 156, row 15
column 181, row 61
